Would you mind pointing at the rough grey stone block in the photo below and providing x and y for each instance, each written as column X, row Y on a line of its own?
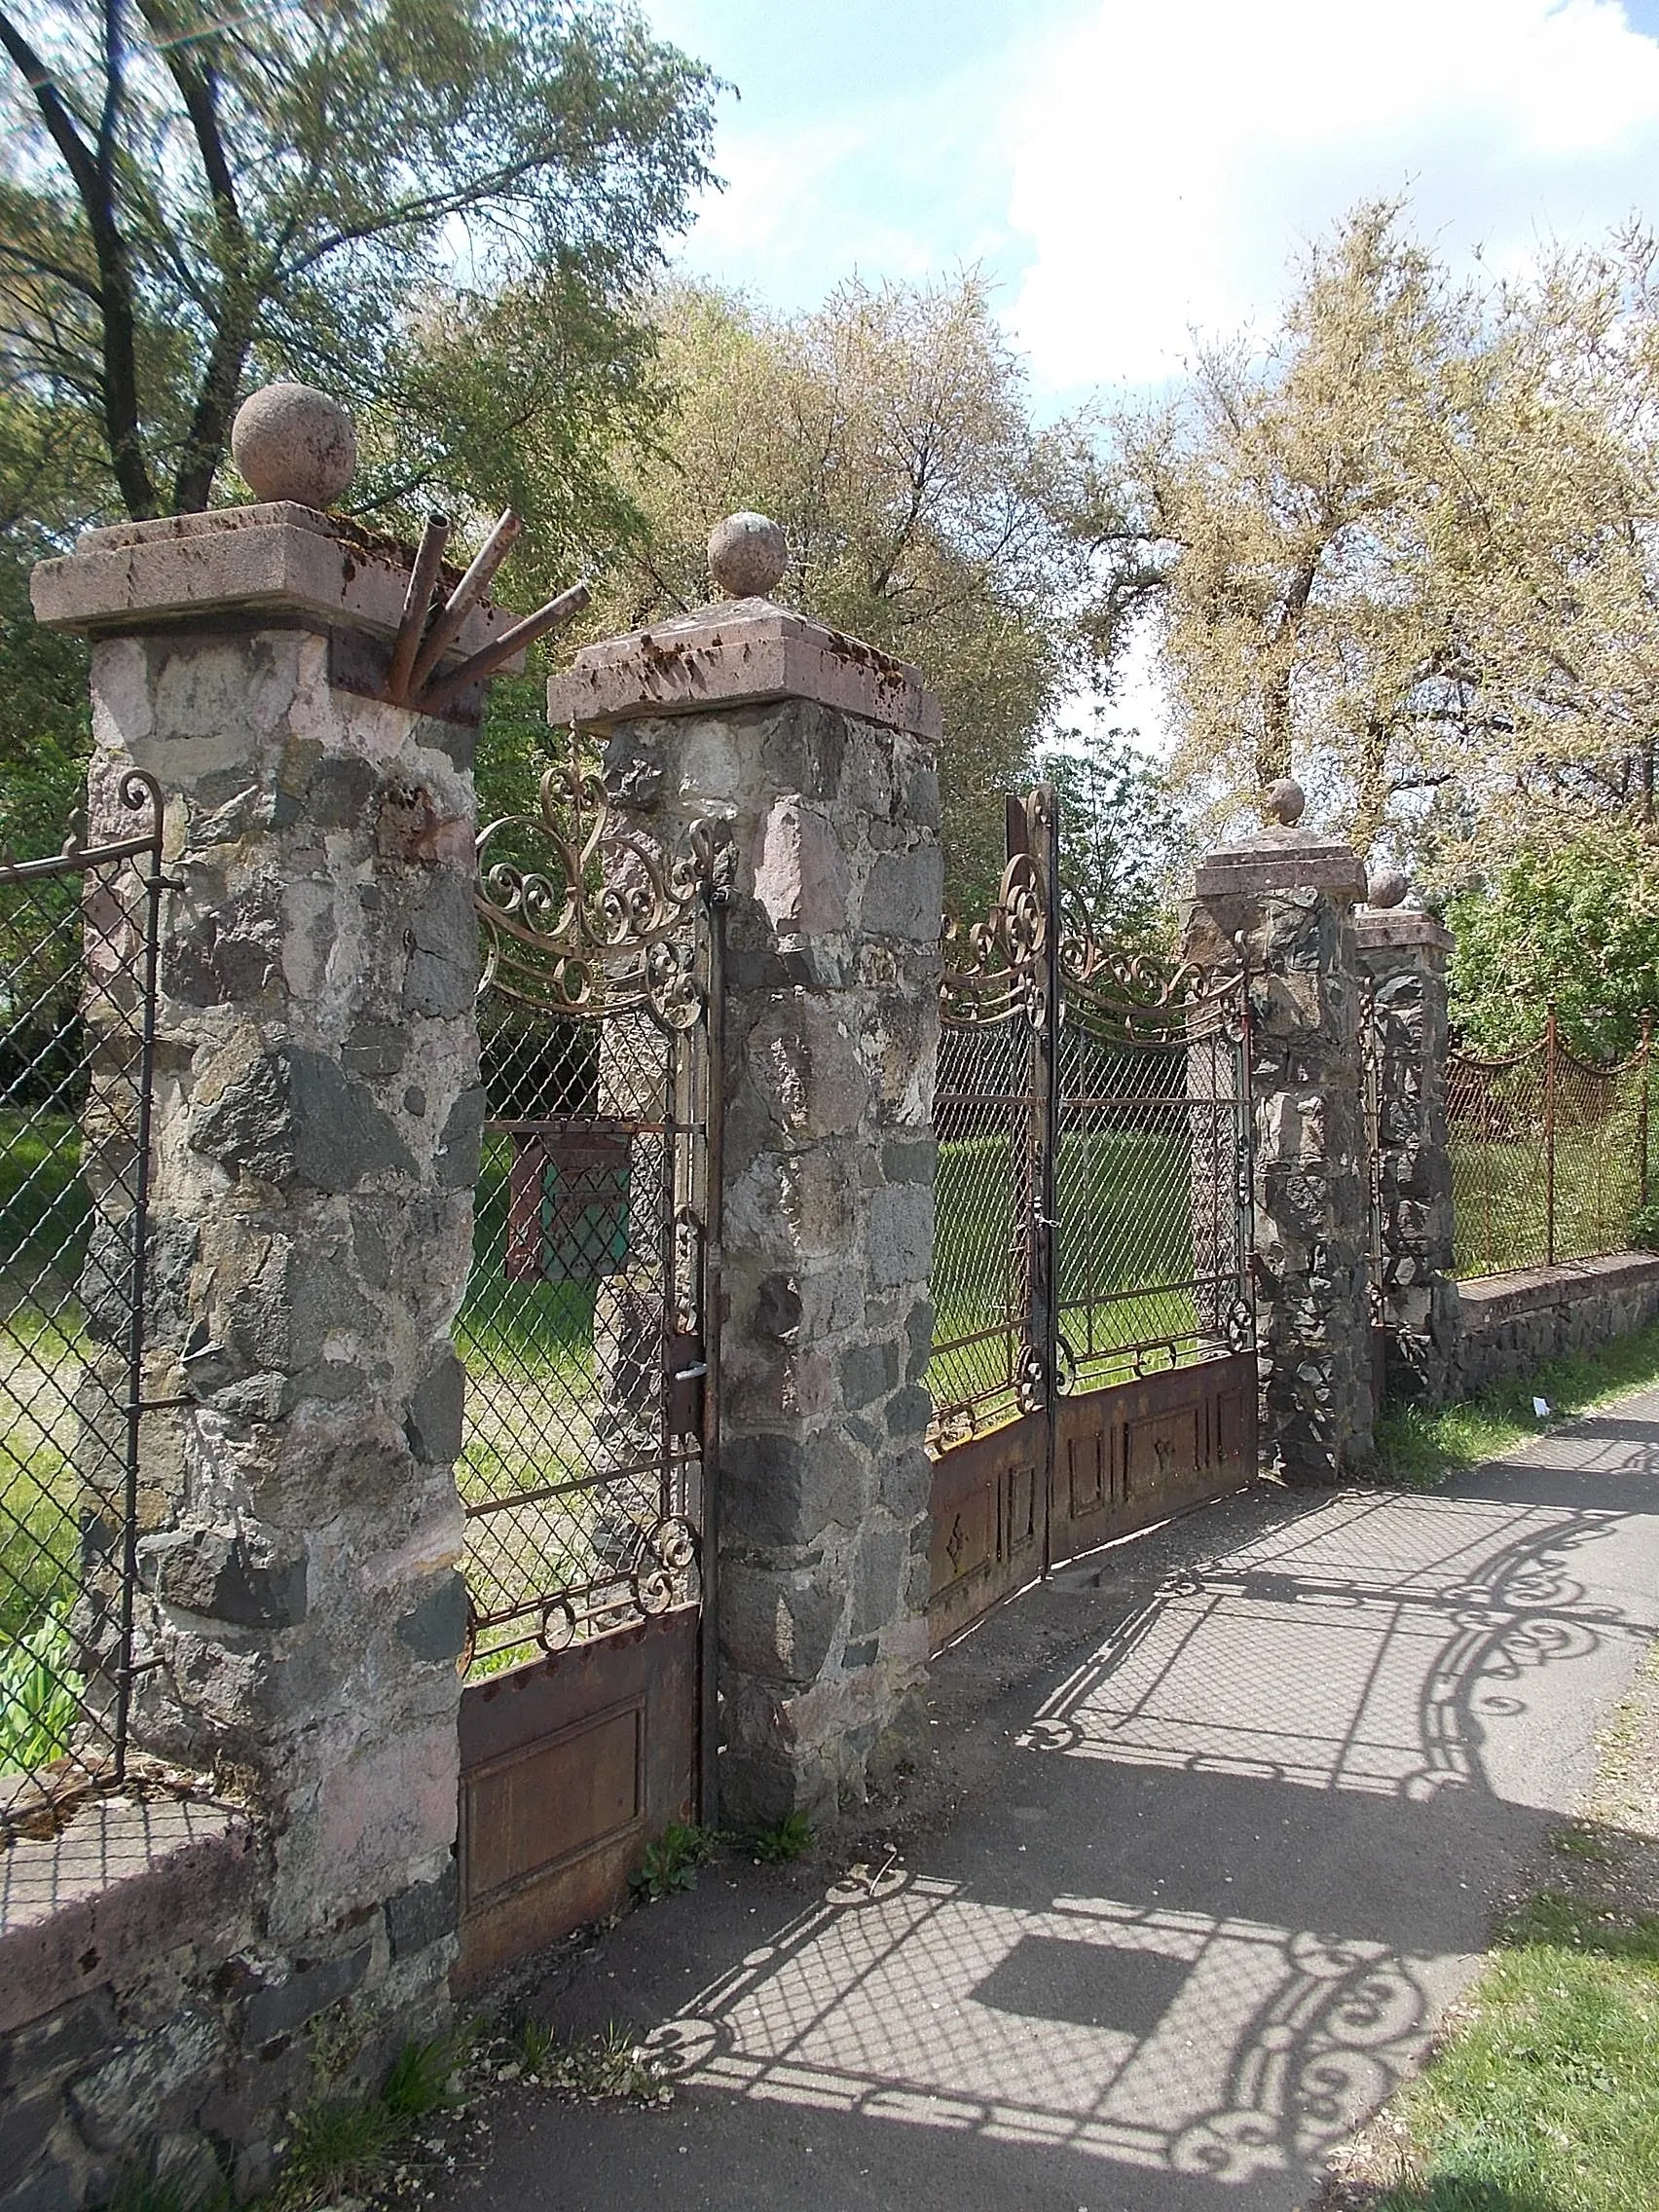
column 904, row 895
column 899, row 1235
column 340, row 1134
column 460, row 1145
column 443, row 965
column 285, row 2005
column 787, row 1490
column 869, row 1370
column 202, row 1572
column 422, row 1914
column 53, row 2189
column 247, row 1126
column 777, row 1309
column 777, row 1627
column 127, row 2097
column 881, row 1560
column 25, row 2122
column 436, row 1628
column 436, row 1411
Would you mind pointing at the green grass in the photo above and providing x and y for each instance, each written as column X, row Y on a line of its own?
column 1419, row 1449
column 40, row 1697
column 1546, row 2099
column 1543, row 2096
column 1500, row 1193
column 43, row 1208
column 1123, row 1200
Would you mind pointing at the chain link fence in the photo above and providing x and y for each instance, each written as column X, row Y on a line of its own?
column 1549, row 1155
column 78, row 938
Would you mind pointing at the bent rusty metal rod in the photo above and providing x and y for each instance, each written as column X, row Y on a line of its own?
column 417, row 606
column 552, row 617
column 444, row 631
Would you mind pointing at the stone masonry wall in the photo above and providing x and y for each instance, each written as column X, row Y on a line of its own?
column 1312, row 1332
column 830, row 1046
column 1510, row 1325
column 1403, row 955
column 318, row 1118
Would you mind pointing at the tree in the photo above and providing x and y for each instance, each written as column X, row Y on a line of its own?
column 1272, row 520
column 190, row 194
column 1576, row 925
column 1117, row 836
column 888, row 433
column 1413, row 553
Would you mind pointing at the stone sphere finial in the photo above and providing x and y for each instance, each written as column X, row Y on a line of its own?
column 1386, row 887
column 747, row 556
column 1286, row 802
column 293, row 443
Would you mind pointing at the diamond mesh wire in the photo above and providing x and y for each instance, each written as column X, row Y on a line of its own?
column 987, row 1118
column 1151, row 1227
column 75, row 951
column 1546, row 1156
column 1150, row 1234
column 580, row 1467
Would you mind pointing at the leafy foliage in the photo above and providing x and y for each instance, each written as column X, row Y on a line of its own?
column 1575, row 923
column 189, row 193
column 670, row 1863
column 1119, row 836
column 1412, row 553
column 785, row 1840
column 888, row 433
column 39, row 1697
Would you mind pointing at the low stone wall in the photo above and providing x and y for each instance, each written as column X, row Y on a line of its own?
column 147, row 2024
column 1512, row 1323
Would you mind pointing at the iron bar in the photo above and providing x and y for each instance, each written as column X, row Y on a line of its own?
column 446, row 627
column 1550, row 1077
column 417, row 606
column 487, row 658
column 139, row 1280
column 712, row 1122
column 1644, row 1059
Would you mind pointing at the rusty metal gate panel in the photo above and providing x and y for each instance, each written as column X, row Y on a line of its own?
column 587, row 1459
column 1093, row 1363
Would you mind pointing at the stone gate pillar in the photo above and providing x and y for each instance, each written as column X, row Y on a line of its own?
column 817, row 754
column 1281, row 904
column 1402, row 957
column 316, row 1135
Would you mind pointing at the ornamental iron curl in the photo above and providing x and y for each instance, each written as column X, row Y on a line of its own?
column 994, row 967
column 583, row 911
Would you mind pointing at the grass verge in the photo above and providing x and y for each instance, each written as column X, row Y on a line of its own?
column 1544, row 2092
column 1418, row 1449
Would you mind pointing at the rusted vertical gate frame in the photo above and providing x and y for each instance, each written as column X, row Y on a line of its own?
column 717, row 895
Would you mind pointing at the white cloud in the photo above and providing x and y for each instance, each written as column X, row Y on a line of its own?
column 1171, row 159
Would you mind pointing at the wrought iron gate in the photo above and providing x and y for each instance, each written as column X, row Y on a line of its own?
column 1093, row 1365
column 587, row 1460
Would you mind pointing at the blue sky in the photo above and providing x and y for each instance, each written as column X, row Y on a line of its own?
column 1127, row 169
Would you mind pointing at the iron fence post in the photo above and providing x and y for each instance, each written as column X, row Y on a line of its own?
column 1644, row 1059
column 136, row 782
column 713, row 1169
column 1550, row 1136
